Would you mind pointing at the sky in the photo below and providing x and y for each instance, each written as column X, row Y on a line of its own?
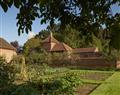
column 8, row 28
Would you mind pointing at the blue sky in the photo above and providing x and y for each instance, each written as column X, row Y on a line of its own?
column 8, row 28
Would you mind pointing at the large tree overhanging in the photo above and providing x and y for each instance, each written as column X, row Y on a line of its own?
column 88, row 16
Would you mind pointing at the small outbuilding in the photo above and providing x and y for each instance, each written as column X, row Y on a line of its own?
column 50, row 44
column 7, row 50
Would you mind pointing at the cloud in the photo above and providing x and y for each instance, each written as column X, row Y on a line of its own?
column 31, row 35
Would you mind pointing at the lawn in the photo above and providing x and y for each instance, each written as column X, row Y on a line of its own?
column 110, row 87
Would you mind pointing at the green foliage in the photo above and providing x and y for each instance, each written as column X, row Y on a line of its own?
column 73, row 37
column 110, row 86
column 97, row 43
column 25, row 89
column 31, row 45
column 63, row 85
column 115, row 33
column 114, row 55
column 43, row 34
column 7, row 74
column 38, row 58
column 17, row 59
column 36, row 72
column 41, row 79
column 85, row 16
column 38, row 81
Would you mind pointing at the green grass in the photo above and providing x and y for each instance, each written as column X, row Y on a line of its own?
column 82, row 74
column 50, row 74
column 110, row 87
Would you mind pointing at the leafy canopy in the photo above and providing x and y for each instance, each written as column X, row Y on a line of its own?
column 88, row 16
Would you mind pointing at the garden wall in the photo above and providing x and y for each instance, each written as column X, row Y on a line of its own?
column 88, row 63
column 118, row 64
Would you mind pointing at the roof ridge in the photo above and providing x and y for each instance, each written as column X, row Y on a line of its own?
column 66, row 46
column 50, row 39
column 63, row 45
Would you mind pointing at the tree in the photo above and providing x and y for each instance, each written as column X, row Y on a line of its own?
column 15, row 44
column 72, row 37
column 87, row 16
column 77, row 12
column 42, row 34
column 115, row 33
column 32, row 45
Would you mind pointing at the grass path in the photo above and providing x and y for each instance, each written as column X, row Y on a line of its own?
column 110, row 87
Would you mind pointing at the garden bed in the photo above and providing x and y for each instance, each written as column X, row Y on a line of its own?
column 91, row 80
column 85, row 89
column 110, row 87
column 96, row 76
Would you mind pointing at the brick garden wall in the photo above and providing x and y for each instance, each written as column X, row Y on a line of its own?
column 88, row 63
column 118, row 64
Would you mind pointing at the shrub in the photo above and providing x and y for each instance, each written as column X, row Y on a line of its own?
column 60, row 86
column 6, row 76
column 36, row 83
column 17, row 59
column 25, row 89
column 114, row 55
column 38, row 58
column 60, row 58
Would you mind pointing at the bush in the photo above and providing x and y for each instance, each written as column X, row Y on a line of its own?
column 114, row 55
column 6, row 76
column 60, row 86
column 38, row 58
column 17, row 59
column 38, row 81
column 60, row 58
column 25, row 89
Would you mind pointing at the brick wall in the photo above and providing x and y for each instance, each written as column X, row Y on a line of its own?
column 89, row 63
column 118, row 64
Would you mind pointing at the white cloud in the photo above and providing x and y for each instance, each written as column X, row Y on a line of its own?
column 31, row 35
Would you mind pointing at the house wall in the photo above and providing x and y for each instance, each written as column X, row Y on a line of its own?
column 8, row 54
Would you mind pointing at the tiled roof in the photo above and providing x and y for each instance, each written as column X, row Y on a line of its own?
column 51, row 44
column 61, row 47
column 80, row 50
column 50, row 39
column 46, row 46
column 67, row 48
column 5, row 45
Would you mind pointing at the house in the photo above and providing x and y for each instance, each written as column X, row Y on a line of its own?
column 50, row 44
column 7, row 50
